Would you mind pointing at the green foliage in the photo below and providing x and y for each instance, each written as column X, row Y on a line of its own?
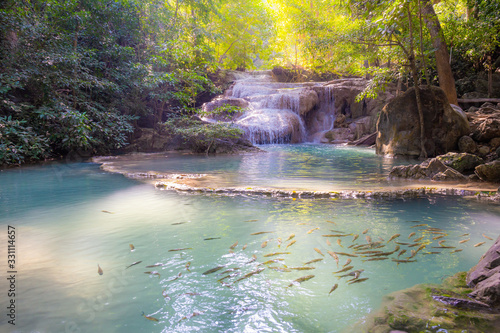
column 19, row 143
column 202, row 137
column 223, row 110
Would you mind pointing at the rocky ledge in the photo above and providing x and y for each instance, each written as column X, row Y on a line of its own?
column 466, row 302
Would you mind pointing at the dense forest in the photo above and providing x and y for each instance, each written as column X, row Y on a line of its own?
column 81, row 75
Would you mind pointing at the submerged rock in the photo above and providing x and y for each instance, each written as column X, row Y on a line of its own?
column 462, row 162
column 399, row 127
column 431, row 308
column 431, row 168
column 489, row 171
column 485, row 277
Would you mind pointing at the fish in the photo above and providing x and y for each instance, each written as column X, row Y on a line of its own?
column 280, row 269
column 444, row 247
column 418, row 239
column 339, row 241
column 290, row 244
column 132, row 248
column 336, row 235
column 439, row 233
column 355, row 273
column 185, row 248
column 244, row 246
column 419, row 225
column 437, row 237
column 175, row 278
column 254, row 257
column 257, row 271
column 302, row 268
column 194, row 314
column 457, row 250
column 313, row 261
column 365, row 231
column 355, row 237
column 149, row 317
column 188, row 264
column 414, row 244
column 272, row 261
column 413, row 253
column 347, row 254
column 228, row 276
column 393, row 237
column 318, row 250
column 487, row 237
column 405, row 260
column 335, row 257
column 333, row 288
column 464, row 235
column 357, row 280
column 421, row 247
column 133, row 264
column 290, row 237
column 211, row 238
column 250, row 221
column 368, row 238
column 479, row 244
column 99, row 270
column 153, row 273
column 382, row 240
column 401, row 243
column 261, row 232
column 279, row 242
column 464, row 241
column 301, row 279
column 311, row 231
column 369, row 252
column 234, row 245
column 375, row 259
column 178, row 223
column 213, row 270
column 396, row 249
column 328, row 242
column 229, row 270
column 331, row 222
column 107, row 212
column 411, row 235
column 435, row 229
column 154, row 265
column 264, row 244
column 275, row 254
column 441, row 242
column 345, row 269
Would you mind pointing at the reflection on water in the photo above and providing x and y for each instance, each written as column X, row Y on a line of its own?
column 297, row 167
column 63, row 234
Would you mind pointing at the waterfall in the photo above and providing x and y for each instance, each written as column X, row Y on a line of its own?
column 276, row 112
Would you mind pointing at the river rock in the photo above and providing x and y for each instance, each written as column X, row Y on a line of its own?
column 361, row 127
column 485, row 277
column 462, row 162
column 489, row 171
column 339, row 135
column 431, row 168
column 467, row 145
column 399, row 129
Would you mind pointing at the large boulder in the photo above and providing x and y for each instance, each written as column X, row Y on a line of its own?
column 484, row 278
column 398, row 125
column 338, row 135
column 221, row 101
column 489, row 171
column 467, row 145
column 462, row 162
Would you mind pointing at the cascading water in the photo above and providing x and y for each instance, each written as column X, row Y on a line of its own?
column 277, row 112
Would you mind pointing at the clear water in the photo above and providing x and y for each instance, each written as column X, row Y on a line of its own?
column 296, row 167
column 63, row 234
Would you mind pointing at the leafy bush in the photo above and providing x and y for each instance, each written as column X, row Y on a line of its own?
column 19, row 143
column 200, row 136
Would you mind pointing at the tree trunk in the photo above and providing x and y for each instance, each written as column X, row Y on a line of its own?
column 445, row 75
column 423, row 152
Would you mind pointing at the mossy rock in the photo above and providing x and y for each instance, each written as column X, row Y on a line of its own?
column 462, row 162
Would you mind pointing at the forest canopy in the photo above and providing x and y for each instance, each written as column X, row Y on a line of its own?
column 80, row 75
